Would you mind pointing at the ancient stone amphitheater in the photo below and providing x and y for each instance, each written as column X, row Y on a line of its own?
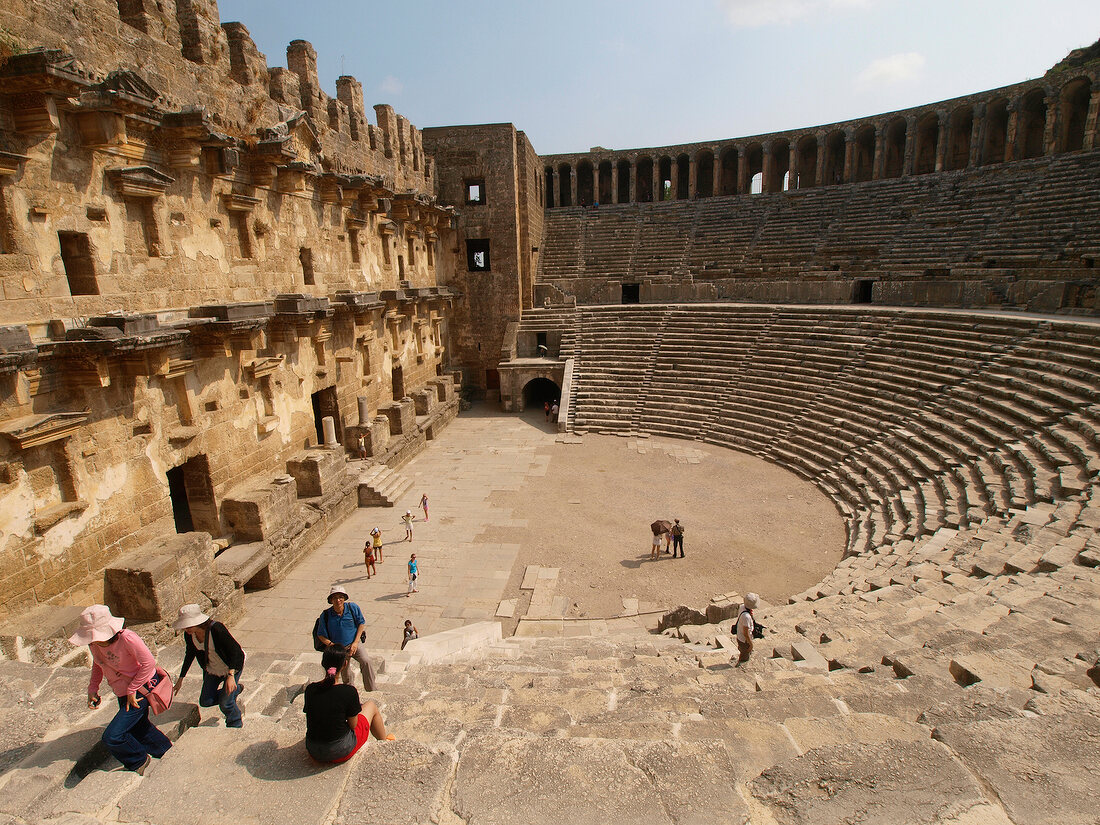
column 902, row 310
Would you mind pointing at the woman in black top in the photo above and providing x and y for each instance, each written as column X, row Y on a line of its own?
column 337, row 724
column 220, row 658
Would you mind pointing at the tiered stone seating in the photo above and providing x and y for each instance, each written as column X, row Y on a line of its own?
column 909, row 420
column 1039, row 213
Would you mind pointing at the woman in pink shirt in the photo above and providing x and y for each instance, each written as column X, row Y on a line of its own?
column 122, row 657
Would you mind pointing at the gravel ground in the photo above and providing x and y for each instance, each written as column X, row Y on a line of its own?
column 749, row 525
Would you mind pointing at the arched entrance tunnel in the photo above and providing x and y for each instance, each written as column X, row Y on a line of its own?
column 539, row 391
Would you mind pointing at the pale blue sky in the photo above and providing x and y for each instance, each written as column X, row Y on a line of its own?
column 579, row 73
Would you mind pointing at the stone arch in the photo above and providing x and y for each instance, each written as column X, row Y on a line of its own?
column 539, row 391
column 643, row 180
column 807, row 162
column 959, row 129
column 586, row 188
column 1032, row 124
column 1074, row 110
column 893, row 162
column 565, row 185
column 927, row 138
column 704, row 173
column 623, row 193
column 664, row 179
column 727, row 183
column 833, row 168
column 754, row 168
column 603, row 190
column 996, row 131
column 683, row 177
column 548, row 173
column 863, row 153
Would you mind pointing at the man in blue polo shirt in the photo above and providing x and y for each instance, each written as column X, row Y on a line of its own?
column 343, row 624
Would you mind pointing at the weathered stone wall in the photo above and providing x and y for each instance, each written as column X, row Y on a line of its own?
column 200, row 257
column 509, row 219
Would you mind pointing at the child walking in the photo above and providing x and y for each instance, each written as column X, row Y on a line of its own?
column 368, row 559
column 408, row 519
column 424, row 505
column 413, row 574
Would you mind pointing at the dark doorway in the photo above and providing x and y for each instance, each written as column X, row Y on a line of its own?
column 397, row 382
column 540, row 391
column 324, row 403
column 863, row 291
column 192, row 494
column 631, row 293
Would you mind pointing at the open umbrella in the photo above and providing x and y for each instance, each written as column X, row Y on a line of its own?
column 660, row 526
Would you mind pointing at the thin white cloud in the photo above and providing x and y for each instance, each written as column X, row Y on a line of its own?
column 391, row 85
column 888, row 71
column 751, row 14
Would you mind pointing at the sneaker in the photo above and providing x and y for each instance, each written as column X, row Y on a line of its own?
column 140, row 771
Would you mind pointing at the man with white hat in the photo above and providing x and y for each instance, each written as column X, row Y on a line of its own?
column 220, row 658
column 745, row 626
column 343, row 624
column 132, row 672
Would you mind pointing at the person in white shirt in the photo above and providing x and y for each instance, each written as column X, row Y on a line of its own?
column 745, row 626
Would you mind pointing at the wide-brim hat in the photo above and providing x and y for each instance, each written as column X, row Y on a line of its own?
column 751, row 600
column 337, row 589
column 190, row 616
column 96, row 625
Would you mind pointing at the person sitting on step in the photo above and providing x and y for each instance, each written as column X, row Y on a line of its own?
column 337, row 723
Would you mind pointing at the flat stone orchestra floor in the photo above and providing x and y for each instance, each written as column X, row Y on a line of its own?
column 507, row 490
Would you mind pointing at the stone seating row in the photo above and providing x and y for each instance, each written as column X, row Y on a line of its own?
column 911, row 443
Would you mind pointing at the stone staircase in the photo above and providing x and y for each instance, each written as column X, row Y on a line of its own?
column 381, row 486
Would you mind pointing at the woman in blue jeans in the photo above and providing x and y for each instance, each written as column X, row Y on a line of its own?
column 220, row 658
column 122, row 657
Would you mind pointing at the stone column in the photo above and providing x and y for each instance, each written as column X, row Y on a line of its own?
column 849, row 156
column 328, row 426
column 766, row 168
column 614, row 182
column 572, row 185
column 1053, row 110
column 674, row 175
column 942, row 128
column 880, row 154
column 633, row 181
column 693, row 171
column 977, row 135
column 742, row 171
column 1013, row 127
column 364, row 412
column 819, row 173
column 792, row 166
column 910, row 146
column 656, row 180
column 716, row 174
column 555, row 193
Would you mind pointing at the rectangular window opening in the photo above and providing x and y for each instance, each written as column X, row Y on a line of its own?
column 353, row 241
column 76, row 256
column 239, row 222
column 475, row 191
column 477, row 255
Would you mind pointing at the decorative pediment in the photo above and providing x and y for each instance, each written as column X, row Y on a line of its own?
column 259, row 367
column 35, row 430
column 139, row 181
column 129, row 84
